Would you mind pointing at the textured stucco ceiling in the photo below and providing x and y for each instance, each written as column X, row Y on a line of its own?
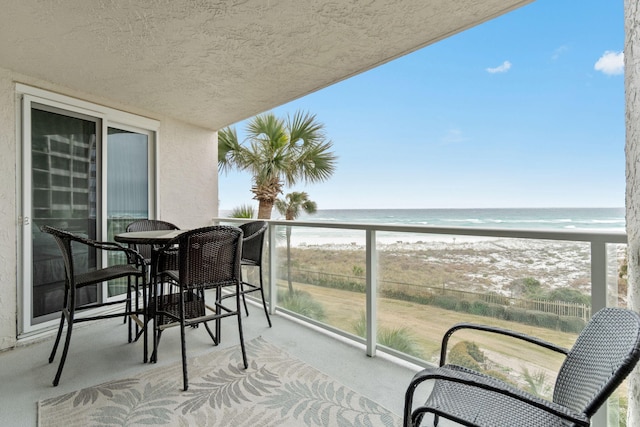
column 215, row 62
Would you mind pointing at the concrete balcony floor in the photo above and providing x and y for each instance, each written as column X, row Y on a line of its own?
column 99, row 352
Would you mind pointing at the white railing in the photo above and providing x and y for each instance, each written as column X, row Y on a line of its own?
column 598, row 241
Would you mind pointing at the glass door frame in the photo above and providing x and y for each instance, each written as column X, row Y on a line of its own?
column 107, row 117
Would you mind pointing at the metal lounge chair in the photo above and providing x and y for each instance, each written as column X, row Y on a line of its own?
column 605, row 352
column 135, row 269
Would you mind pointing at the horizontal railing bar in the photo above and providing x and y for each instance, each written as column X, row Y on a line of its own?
column 516, row 233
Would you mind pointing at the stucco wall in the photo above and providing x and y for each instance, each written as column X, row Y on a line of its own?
column 8, row 221
column 188, row 174
column 187, row 178
column 632, row 88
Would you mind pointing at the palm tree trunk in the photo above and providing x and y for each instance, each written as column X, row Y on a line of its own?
column 264, row 209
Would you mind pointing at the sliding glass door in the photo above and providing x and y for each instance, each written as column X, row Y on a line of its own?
column 127, row 186
column 63, row 195
column 85, row 169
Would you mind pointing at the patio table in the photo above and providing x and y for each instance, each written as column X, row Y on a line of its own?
column 154, row 238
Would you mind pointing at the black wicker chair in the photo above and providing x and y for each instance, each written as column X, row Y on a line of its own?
column 135, row 269
column 148, row 225
column 603, row 355
column 252, row 248
column 146, row 252
column 209, row 258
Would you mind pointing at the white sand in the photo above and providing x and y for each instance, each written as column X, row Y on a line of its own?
column 496, row 262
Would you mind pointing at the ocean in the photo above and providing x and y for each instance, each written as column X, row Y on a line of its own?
column 560, row 219
column 588, row 219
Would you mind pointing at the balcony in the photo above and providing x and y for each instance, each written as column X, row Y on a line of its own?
column 352, row 272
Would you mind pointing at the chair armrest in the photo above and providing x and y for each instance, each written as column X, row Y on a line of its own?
column 496, row 330
column 133, row 256
column 491, row 389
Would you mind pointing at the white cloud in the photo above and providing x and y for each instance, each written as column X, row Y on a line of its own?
column 610, row 63
column 453, row 136
column 559, row 51
column 506, row 65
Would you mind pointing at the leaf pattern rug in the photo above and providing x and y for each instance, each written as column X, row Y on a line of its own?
column 276, row 390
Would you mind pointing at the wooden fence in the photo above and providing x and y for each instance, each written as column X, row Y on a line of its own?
column 357, row 283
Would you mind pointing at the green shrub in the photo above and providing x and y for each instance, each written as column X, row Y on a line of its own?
column 527, row 286
column 520, row 315
column 446, row 302
column 464, row 306
column 567, row 294
column 399, row 339
column 302, row 303
column 571, row 324
column 466, row 354
column 499, row 311
column 536, row 383
column 479, row 308
column 547, row 320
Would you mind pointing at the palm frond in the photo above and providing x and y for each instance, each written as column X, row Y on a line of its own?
column 317, row 163
column 304, row 129
column 228, row 148
column 268, row 130
column 244, row 211
column 294, row 203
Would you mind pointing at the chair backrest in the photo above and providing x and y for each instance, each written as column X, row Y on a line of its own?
column 149, row 225
column 64, row 239
column 253, row 241
column 604, row 354
column 210, row 256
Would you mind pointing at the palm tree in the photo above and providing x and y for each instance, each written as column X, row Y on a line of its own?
column 278, row 153
column 291, row 207
column 243, row 211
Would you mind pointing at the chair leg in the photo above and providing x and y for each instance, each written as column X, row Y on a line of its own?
column 156, row 297
column 55, row 345
column 65, row 349
column 211, row 334
column 65, row 304
column 183, row 345
column 156, row 342
column 145, row 317
column 218, row 311
column 264, row 302
column 129, row 308
column 239, row 315
column 244, row 300
column 185, row 377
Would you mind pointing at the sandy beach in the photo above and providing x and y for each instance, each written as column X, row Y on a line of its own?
column 470, row 264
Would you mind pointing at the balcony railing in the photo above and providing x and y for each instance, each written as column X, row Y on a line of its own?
column 381, row 285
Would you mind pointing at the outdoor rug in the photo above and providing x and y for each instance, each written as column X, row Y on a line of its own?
column 276, row 390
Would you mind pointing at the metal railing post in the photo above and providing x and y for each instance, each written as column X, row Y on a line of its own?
column 372, row 292
column 599, row 301
column 273, row 265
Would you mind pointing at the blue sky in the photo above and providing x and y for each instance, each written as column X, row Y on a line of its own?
column 526, row 110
